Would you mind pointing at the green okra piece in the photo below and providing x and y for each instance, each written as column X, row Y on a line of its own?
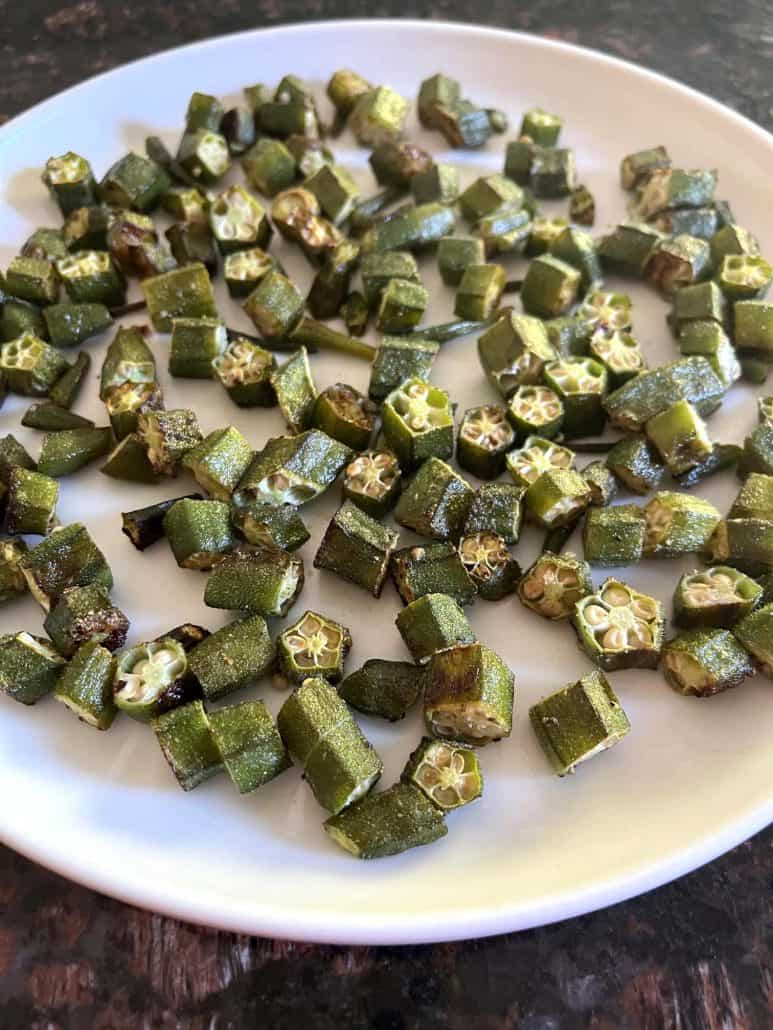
column 554, row 584
column 270, row 525
column 373, row 482
column 755, row 498
column 535, row 411
column 431, row 624
column 331, row 283
column 203, row 156
column 619, row 353
column 753, row 327
column 372, row 210
column 552, row 173
column 17, row 318
column 30, row 502
column 249, row 744
column 636, row 168
column 578, row 249
column 537, row 455
column 479, row 291
column 193, row 243
column 245, row 369
column 711, row 340
column 67, row 557
column 665, row 188
column 203, row 112
column 182, row 293
column 601, row 481
column 758, row 452
column 293, row 469
column 436, row 502
column 47, row 416
column 625, row 250
column 314, row 646
column 186, row 741
column 496, row 508
column 401, row 306
column 86, row 228
column 506, row 230
column 634, row 462
column 295, row 391
column 13, row 455
column 85, row 614
column 556, row 498
column 765, row 411
column 129, row 461
column 168, row 436
column 676, row 262
column 746, row 544
column 448, row 773
column 398, row 360
column 336, row 191
column 582, row 206
column 418, row 423
column 269, row 166
column 296, row 214
column 357, row 548
column 492, row 569
column 71, row 324
column 755, row 633
column 519, row 155
column 67, row 450
column 543, row 232
column 439, row 183
column 32, row 279
column 430, row 569
column 680, row 436
column 387, row 823
column 134, row 182
column 378, row 116
column 732, row 238
column 263, row 582
column 578, row 721
column 484, row 439
column 30, row 366
column 383, row 688
column 346, row 415
column 219, row 461
column 702, row 302
column 92, row 277
column 85, row 685
column 132, row 241
column 607, row 312
column 48, row 244
column 195, row 344
column 717, row 597
column 12, row 581
column 287, row 118
column 455, row 255
column 186, row 204
column 145, row 526
column 416, row 229
column 275, row 306
column 462, row 123
column 692, row 379
column 70, row 181
column 614, row 535
column 199, row 532
column 514, row 351
column 701, row 222
column 550, row 287
column 704, row 662
column 29, row 667
column 744, row 276
column 619, row 627
column 344, row 89
column 580, row 385
column 238, row 221
column 541, row 127
column 232, row 657
column 569, row 335
column 67, row 387
column 468, row 695
column 128, row 360
column 677, row 524
column 126, row 402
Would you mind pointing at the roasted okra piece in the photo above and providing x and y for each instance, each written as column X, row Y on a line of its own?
column 758, row 452
column 447, row 772
column 17, row 317
column 711, row 340
column 582, row 206
column 665, row 188
column 415, row 229
column 249, row 744
column 244, row 269
column 468, row 695
column 293, row 469
column 703, row 302
column 436, row 502
column 270, row 525
column 577, row 248
column 550, row 287
column 204, row 112
column 556, row 498
column 491, row 567
column 92, row 277
column 275, row 306
column 395, row 163
column 346, row 415
column 313, row 646
column 378, row 116
column 30, row 502
column 483, row 441
column 430, row 569
column 30, row 366
column 753, row 328
column 344, row 88
column 636, row 465
column 238, row 221
column 204, row 155
column 440, row 182
column 387, row 823
column 168, row 436
column 580, row 385
column 13, row 455
column 691, row 379
column 331, row 283
column 186, row 204
column 295, row 391
column 519, row 155
column 32, row 279
column 263, row 582
column 401, row 306
column 506, row 230
column 296, row 214
column 703, row 662
column 357, row 548
column 496, row 508
column 195, row 344
column 336, row 191
column 717, row 596
column 182, row 293
column 134, row 182
column 637, row 167
column 379, row 269
column 125, row 404
column 418, row 423
column 462, row 123
column 219, row 461
column 535, row 411
column 65, row 451
column 553, row 584
column 68, row 557
column 552, row 173
column 86, row 228
column 431, row 624
column 186, row 741
column 745, row 543
column 541, row 126
column 269, row 166
column 372, row 481
column 479, row 291
column 677, row 524
column 619, row 627
column 145, row 526
column 755, row 498
column 398, row 360
column 245, row 369
column 620, row 354
column 70, row 324
column 744, row 276
column 67, row 387
column 455, row 255
column 732, row 238
column 70, row 181
column 677, row 261
column 578, row 721
column 29, row 667
column 232, row 657
column 383, row 688
column 537, row 455
column 128, row 360
column 680, row 436
column 12, row 581
column 514, row 351
column 601, row 481
column 755, row 633
column 625, row 250
column 192, row 243
column 85, row 685
column 614, row 535
column 199, row 532
column 84, row 614
column 543, row 232
column 48, row 244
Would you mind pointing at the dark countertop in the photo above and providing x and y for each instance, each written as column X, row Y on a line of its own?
column 694, row 954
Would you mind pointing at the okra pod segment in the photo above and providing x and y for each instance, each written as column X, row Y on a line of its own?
column 753, row 328
column 755, row 633
column 430, row 569
column 344, row 88
column 245, row 369
column 491, row 567
column 48, row 244
column 554, row 584
column 295, row 391
column 514, row 351
column 484, row 439
column 128, row 360
column 67, row 450
column 755, row 498
column 552, row 173
column 187, row 744
column 704, row 662
column 194, row 345
column 135, row 182
column 454, row 255
column 378, row 116
column 92, row 277
column 691, row 379
column 580, row 385
column 436, row 502
column 447, row 772
column 541, row 126
column 270, row 525
column 219, row 461
column 238, row 221
column 401, row 306
column 487, row 194
column 676, row 262
column 264, row 582
column 357, row 548
column 12, row 581
column 638, row 167
column 431, row 624
column 314, row 646
column 249, row 744
column 269, row 166
column 275, row 306
column 619, row 627
column 746, row 544
column 625, row 250
column 620, row 354
column 17, row 317
column 145, row 526
column 744, row 276
column 716, row 597
column 29, row 667
column 379, row 269
column 293, row 469
column 711, row 340
column 418, row 423
column 732, row 238
column 30, row 502
column 203, row 156
column 415, row 229
column 70, row 181
column 395, row 163
column 193, row 243
column 519, row 156
column 68, row 557
column 601, row 481
column 65, row 390
column 126, row 402
column 182, row 293
column 758, row 452
column 496, row 508
column 71, row 324
column 677, row 524
column 52, row 417
column 440, row 182
column 186, row 204
column 86, row 614
column 398, row 360
column 537, row 455
column 387, row 823
column 556, row 498
column 582, row 206
column 30, row 366
column 680, row 436
column 86, row 228
column 468, row 695
column 32, row 279
column 13, row 455
column 479, row 291
column 383, row 688
column 232, row 657
column 346, row 415
column 372, row 481
column 331, row 283
column 614, row 535
column 199, row 532
column 167, row 436
column 85, row 686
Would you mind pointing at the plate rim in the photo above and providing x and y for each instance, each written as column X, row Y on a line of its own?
column 351, row 928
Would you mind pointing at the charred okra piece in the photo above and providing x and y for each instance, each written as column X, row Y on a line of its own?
column 383, row 688
column 84, row 614
column 72, row 324
column 145, row 526
column 86, row 685
column 744, row 276
column 245, row 370
column 636, row 465
column 232, row 657
column 455, row 255
column 401, row 306
column 703, row 662
column 468, row 695
column 614, row 535
column 448, row 773
column 680, row 436
column 418, row 423
column 578, row 721
column 601, row 481
column 30, row 366
column 745, row 543
column 550, row 287
column 331, row 283
column 29, row 667
column 415, row 229
column 199, row 532
column 552, row 173
column 70, row 180
column 483, row 441
column 249, row 744
column 195, row 344
column 378, row 116
column 270, row 525
column 269, row 166
column 755, row 498
column 710, row 340
column 436, row 502
column 717, row 596
column 514, row 351
column 186, row 740
column 677, row 524
column 219, row 461
column 537, row 455
column 489, row 565
column 691, row 379
column 554, row 584
column 244, row 269
column 263, row 582
column 129, row 461
column 387, row 823
column 758, row 452
column 67, row 450
column 373, row 482
column 357, row 548
column 346, row 415
column 86, row 228
column 665, row 188
column 431, row 624
column 32, row 279
column 296, row 214
column 313, row 646
column 182, row 293
column 30, row 502
column 92, row 277
column 53, row 418
column 496, row 508
column 637, row 167
column 134, row 182
column 293, row 469
column 45, row 244
column 479, row 291
column 619, row 627
column 295, row 391
column 677, row 261
column 12, row 581
column 755, row 633
column 398, row 360
column 168, row 436
column 430, row 569
column 68, row 557
column 556, row 498
column 625, row 250
column 535, row 411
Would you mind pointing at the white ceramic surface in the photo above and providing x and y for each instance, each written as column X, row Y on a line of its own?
column 691, row 780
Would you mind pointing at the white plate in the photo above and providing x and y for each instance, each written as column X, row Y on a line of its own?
column 691, row 780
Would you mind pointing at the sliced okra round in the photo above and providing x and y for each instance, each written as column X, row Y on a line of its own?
column 744, row 276
column 127, row 401
column 92, row 277
column 447, row 772
column 373, row 482
column 70, row 181
column 535, row 456
column 677, row 524
column 293, row 469
column 204, row 155
column 619, row 352
column 580, row 384
column 554, row 584
column 297, row 216
column 383, row 688
column 619, row 627
column 535, row 411
column 703, row 662
column 484, row 439
column 718, row 597
column 469, row 695
column 346, row 415
column 238, row 221
column 84, row 614
column 313, row 646
column 245, row 369
column 514, row 352
column 418, row 422
column 491, row 567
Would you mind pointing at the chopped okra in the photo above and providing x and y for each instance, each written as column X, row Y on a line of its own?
column 129, row 461
column 30, row 502
column 84, row 614
column 145, row 526
column 297, row 216
column 195, row 344
column 418, row 423
column 489, row 564
column 293, row 469
column 128, row 360
column 440, row 183
column 619, row 627
column 755, row 498
column 238, row 221
column 625, row 250
column 479, row 291
column 232, row 657
column 620, row 354
column 703, row 662
column 378, row 116
column 357, row 548
column 753, row 327
column 455, row 255
column 219, row 461
column 269, row 166
column 64, row 451
column 429, row 569
column 732, row 239
column 639, row 166
column 398, row 360
column 395, row 163
column 85, row 685
column 496, row 508
column 436, row 502
column 535, row 456
column 703, row 302
column 12, row 581
column 373, row 481
column 275, row 305
column 125, row 404
column 519, row 156
column 755, row 633
column 677, row 261
column 30, row 366
column 614, row 535
column 70, row 181
column 484, row 439
column 387, row 823
column 601, row 481
column 191, row 243
column 415, row 229
column 432, row 624
column 244, row 269
column 295, row 391
column 680, row 436
column 48, row 244
column 554, row 584
column 86, row 228
column 677, row 524
column 717, row 596
column 168, row 436
column 541, row 126
column 204, row 155
column 447, row 772
column 649, row 393
column 199, row 532
column 711, row 340
column 514, row 351
column 535, row 411
column 578, row 722
column 29, row 667
column 187, row 744
column 378, row 269
column 186, row 204
column 249, row 744
column 67, row 387
column 182, row 293
column 331, row 283
column 71, row 324
column 758, row 451
column 744, row 276
column 582, row 206
column 264, row 582
column 556, row 498
column 314, row 646
column 344, row 89
column 578, row 249
column 552, row 173
column 746, row 544
column 468, row 695
column 92, row 277
column 270, row 525
column 401, row 306
column 550, row 287
column 245, row 369
column 383, row 688
column 32, row 279
column 634, row 462
column 68, row 557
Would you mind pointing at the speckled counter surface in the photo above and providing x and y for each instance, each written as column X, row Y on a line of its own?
column 694, row 954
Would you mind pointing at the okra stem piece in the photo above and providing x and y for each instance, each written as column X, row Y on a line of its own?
column 388, row 823
column 263, row 582
column 29, row 667
column 717, row 596
column 270, row 525
column 53, row 417
column 84, row 614
column 554, row 584
column 199, row 532
column 68, row 450
column 313, row 646
column 755, row 633
column 383, row 688
column 232, row 657
column 451, row 330
column 469, row 695
column 249, row 744
column 145, row 526
column 703, row 662
column 313, row 334
column 431, row 624
column 187, row 744
column 619, row 627
column 415, row 229
column 357, row 548
column 85, row 686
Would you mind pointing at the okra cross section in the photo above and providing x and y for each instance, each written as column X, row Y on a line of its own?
column 232, row 657
column 469, row 695
column 554, row 584
column 245, row 370
column 418, row 423
column 483, row 441
column 535, row 411
column 447, row 772
column 357, row 548
column 580, row 384
column 703, row 662
column 383, row 688
column 677, row 524
column 436, row 502
column 514, row 351
column 430, row 569
column 266, row 581
column 70, row 181
column 714, row 597
column 293, row 469
column 30, row 366
column 619, row 627
column 29, row 667
column 755, row 633
column 433, row 623
column 537, row 455
column 313, row 646
column 345, row 414
column 249, row 744
column 491, row 567
column 151, row 678
column 387, row 823
column 373, row 482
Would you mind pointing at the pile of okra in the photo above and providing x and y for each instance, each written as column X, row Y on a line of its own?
column 559, row 350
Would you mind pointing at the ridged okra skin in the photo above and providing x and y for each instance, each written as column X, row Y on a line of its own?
column 29, row 667
column 357, row 548
column 383, row 688
column 145, row 526
column 270, row 525
column 619, row 627
column 249, row 744
column 265, row 582
column 232, row 657
column 295, row 391
column 680, row 436
column 12, row 581
column 199, row 532
column 168, row 436
column 67, row 450
column 129, row 359
column 346, row 415
column 755, row 633
column 83, row 615
column 314, row 646
column 30, row 502
column 625, row 250
column 755, row 498
column 186, row 741
column 219, row 461
column 601, row 482
column 52, row 417
column 758, row 451
column 469, row 695
column 68, row 557
column 677, row 524
column 691, row 379
column 379, row 268
column 322, row 737
column 436, row 502
column 398, row 360
column 182, row 293
column 578, row 722
column 614, row 535
column 85, row 685
column 70, row 181
column 715, row 597
column 387, row 823
column 292, row 469
column 128, row 460
column 430, row 569
column 635, row 463
column 704, row 662
column 433, row 623
column 496, row 508
column 194, row 345
column 514, row 351
column 30, row 366
column 556, row 498
column 746, row 544
column 134, row 182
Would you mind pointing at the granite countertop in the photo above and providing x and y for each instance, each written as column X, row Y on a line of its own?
column 694, row 954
